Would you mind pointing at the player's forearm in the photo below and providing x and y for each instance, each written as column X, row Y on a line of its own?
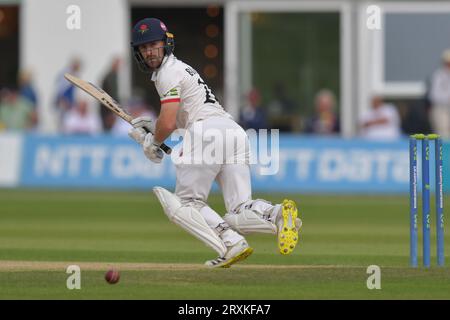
column 162, row 131
column 166, row 123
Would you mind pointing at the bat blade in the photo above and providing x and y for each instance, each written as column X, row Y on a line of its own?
column 106, row 100
column 99, row 94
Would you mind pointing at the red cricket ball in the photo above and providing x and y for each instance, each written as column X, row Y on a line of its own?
column 112, row 276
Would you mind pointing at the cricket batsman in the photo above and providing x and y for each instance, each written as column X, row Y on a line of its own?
column 187, row 103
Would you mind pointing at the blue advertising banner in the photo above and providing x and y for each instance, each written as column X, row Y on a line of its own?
column 104, row 161
column 312, row 164
column 304, row 164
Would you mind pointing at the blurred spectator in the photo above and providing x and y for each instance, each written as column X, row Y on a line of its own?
column 15, row 111
column 253, row 115
column 440, row 97
column 281, row 109
column 26, row 88
column 137, row 108
column 65, row 91
column 111, row 86
column 79, row 120
column 28, row 92
column 382, row 122
column 325, row 120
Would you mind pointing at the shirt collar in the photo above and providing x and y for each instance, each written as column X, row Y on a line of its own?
column 165, row 59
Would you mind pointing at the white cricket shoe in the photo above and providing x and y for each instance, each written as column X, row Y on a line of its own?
column 288, row 225
column 238, row 252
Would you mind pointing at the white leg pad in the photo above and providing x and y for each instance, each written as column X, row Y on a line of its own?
column 247, row 221
column 190, row 219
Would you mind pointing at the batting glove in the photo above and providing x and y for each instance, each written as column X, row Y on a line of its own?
column 144, row 122
column 137, row 135
column 152, row 149
column 141, row 126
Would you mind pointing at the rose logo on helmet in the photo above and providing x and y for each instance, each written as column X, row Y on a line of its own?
column 143, row 28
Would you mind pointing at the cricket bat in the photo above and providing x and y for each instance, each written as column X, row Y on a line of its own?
column 107, row 101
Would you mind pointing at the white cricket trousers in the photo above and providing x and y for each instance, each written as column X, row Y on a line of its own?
column 223, row 148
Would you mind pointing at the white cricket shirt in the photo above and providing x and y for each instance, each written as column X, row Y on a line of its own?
column 176, row 81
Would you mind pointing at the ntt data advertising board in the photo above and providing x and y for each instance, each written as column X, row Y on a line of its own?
column 103, row 161
column 289, row 164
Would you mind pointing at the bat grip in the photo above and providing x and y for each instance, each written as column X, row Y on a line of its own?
column 163, row 146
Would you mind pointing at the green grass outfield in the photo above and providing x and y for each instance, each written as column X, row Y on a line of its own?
column 43, row 232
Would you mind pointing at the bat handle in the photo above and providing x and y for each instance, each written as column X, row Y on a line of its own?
column 163, row 146
column 166, row 149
